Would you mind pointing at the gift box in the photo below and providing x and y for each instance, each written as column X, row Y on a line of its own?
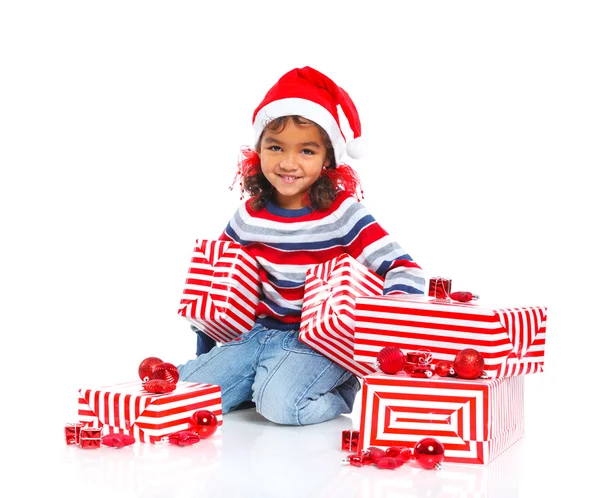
column 72, row 431
column 327, row 322
column 128, row 409
column 90, row 437
column 475, row 420
column 511, row 340
column 350, row 440
column 222, row 289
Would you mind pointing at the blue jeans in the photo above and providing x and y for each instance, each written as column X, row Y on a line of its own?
column 290, row 382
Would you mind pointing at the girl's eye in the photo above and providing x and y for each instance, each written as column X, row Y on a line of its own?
column 308, row 152
column 275, row 148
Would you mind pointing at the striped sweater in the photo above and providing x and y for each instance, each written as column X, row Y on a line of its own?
column 286, row 243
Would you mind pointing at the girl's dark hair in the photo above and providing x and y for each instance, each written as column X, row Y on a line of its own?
column 321, row 194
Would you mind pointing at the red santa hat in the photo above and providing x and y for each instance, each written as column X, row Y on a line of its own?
column 308, row 93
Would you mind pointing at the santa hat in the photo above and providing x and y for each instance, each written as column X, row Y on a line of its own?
column 308, row 93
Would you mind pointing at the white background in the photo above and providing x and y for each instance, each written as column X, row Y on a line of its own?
column 120, row 127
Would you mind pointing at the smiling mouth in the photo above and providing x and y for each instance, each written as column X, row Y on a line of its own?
column 288, row 178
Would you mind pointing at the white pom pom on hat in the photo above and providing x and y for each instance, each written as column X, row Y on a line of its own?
column 308, row 93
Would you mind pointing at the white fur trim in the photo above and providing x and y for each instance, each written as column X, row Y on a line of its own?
column 307, row 109
column 356, row 148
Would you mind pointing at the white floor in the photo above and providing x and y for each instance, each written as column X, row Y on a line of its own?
column 250, row 457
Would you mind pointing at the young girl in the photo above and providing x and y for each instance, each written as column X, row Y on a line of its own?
column 302, row 211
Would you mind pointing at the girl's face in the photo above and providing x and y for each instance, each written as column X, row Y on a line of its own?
column 292, row 160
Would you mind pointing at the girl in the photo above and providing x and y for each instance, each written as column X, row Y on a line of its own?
column 302, row 211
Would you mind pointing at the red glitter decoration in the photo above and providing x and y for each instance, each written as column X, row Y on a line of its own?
column 463, row 297
column 469, row 364
column 204, row 423
column 117, row 440
column 165, row 371
column 390, row 360
column 159, row 386
column 401, row 453
column 183, row 438
column 147, row 367
column 388, row 463
column 429, row 453
column 444, row 368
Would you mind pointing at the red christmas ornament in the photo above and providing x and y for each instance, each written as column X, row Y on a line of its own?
column 117, row 440
column 388, row 463
column 429, row 453
column 469, row 364
column 372, row 454
column 444, row 368
column 183, row 438
column 463, row 297
column 422, row 371
column 439, row 287
column 147, row 367
column 401, row 453
column 390, row 360
column 165, row 371
column 354, row 459
column 204, row 423
column 159, row 386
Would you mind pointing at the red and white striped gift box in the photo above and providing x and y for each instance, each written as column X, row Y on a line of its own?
column 475, row 420
column 222, row 289
column 127, row 408
column 511, row 340
column 327, row 323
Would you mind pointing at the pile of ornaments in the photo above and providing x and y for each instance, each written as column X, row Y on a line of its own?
column 427, row 453
column 158, row 376
column 467, row 364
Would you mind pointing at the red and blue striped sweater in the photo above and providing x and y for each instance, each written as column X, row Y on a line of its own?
column 287, row 242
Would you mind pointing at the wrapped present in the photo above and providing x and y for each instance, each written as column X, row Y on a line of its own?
column 72, row 431
column 440, row 287
column 327, row 323
column 511, row 340
column 222, row 289
column 475, row 420
column 129, row 409
column 90, row 437
column 350, row 440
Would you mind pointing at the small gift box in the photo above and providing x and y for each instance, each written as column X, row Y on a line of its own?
column 90, row 437
column 511, row 340
column 471, row 418
column 440, row 287
column 350, row 440
column 129, row 409
column 222, row 289
column 72, row 431
column 327, row 323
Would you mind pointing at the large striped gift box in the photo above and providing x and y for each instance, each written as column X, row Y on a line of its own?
column 127, row 408
column 511, row 340
column 327, row 323
column 475, row 420
column 222, row 289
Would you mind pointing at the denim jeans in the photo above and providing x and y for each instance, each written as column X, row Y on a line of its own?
column 290, row 382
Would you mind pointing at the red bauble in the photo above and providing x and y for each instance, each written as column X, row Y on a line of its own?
column 372, row 454
column 147, row 367
column 429, row 453
column 159, row 386
column 469, row 364
column 401, row 453
column 204, row 423
column 165, row 371
column 390, row 360
column 117, row 440
column 388, row 463
column 444, row 368
column 183, row 438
